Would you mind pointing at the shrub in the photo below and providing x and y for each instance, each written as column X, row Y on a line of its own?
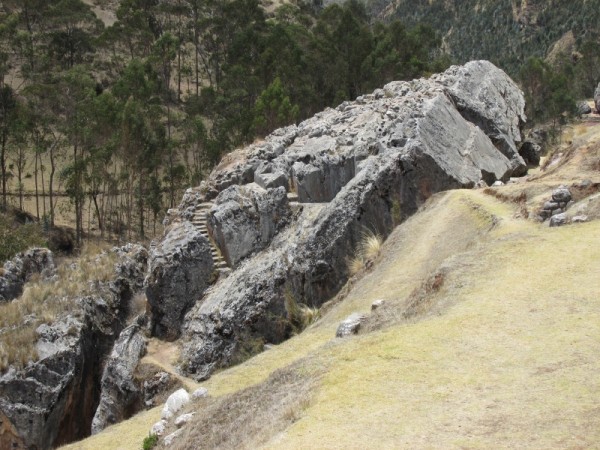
column 150, row 442
column 368, row 249
column 299, row 315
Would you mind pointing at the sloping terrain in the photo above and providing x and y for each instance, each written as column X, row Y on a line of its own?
column 488, row 338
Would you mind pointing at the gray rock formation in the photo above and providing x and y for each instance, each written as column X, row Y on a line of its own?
column 597, row 98
column 52, row 401
column 244, row 219
column 366, row 164
column 557, row 205
column 558, row 220
column 350, row 325
column 121, row 395
column 531, row 153
column 180, row 268
column 583, row 108
column 19, row 270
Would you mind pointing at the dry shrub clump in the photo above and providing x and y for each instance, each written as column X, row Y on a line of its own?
column 299, row 315
column 43, row 301
column 366, row 252
column 250, row 417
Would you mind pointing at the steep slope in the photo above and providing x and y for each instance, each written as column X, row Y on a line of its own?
column 499, row 352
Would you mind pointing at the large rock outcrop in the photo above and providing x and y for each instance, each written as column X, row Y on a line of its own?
column 366, row 164
column 52, row 401
column 19, row 270
column 180, row 269
column 121, row 395
column 244, row 219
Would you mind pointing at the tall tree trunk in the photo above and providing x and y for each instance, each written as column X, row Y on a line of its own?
column 35, row 175
column 4, row 174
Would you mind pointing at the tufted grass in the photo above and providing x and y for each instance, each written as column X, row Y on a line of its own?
column 43, row 301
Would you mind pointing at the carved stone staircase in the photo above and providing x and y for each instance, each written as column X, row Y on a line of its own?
column 200, row 221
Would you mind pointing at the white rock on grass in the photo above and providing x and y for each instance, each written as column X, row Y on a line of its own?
column 171, row 437
column 159, row 428
column 175, row 402
column 201, row 392
column 183, row 419
column 351, row 325
column 377, row 304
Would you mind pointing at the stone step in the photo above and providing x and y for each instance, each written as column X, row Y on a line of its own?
column 292, row 197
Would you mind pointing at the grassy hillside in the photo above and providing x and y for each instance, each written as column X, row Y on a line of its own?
column 488, row 338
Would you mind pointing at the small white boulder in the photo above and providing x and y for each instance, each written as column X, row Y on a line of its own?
column 183, row 419
column 201, row 392
column 159, row 428
column 175, row 402
column 171, row 437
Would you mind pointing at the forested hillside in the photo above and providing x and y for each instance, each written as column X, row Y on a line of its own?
column 504, row 32
column 119, row 116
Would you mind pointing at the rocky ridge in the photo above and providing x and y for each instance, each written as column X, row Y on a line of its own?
column 365, row 165
column 52, row 401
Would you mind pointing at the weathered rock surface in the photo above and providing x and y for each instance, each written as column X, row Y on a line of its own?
column 180, row 269
column 350, row 325
column 583, row 108
column 18, row 271
column 121, row 395
column 175, row 402
column 52, row 401
column 244, row 219
column 597, row 98
column 366, row 164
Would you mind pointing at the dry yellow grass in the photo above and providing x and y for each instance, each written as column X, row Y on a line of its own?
column 501, row 353
column 43, row 301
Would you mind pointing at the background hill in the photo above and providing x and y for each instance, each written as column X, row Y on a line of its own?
column 505, row 32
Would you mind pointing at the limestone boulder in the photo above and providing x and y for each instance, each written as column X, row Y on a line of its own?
column 367, row 164
column 121, row 394
column 245, row 218
column 180, row 268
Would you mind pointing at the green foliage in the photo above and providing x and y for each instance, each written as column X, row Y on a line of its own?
column 273, row 108
column 548, row 92
column 150, row 442
column 125, row 118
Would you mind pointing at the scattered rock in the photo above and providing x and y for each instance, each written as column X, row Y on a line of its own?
column 350, row 325
column 377, row 304
column 583, row 108
column 561, row 195
column 559, row 220
column 183, row 419
column 159, row 427
column 168, row 440
column 175, row 402
column 579, row 219
column 19, row 270
column 497, row 183
column 155, row 386
column 201, row 392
